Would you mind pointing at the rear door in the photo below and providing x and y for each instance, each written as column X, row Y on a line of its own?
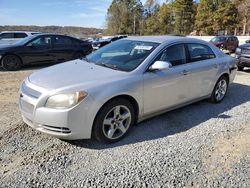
column 39, row 50
column 62, row 48
column 203, row 68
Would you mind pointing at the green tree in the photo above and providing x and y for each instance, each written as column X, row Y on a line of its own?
column 124, row 16
column 184, row 16
column 161, row 22
column 204, row 17
column 226, row 17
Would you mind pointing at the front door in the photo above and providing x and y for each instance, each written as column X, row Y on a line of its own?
column 167, row 88
column 38, row 51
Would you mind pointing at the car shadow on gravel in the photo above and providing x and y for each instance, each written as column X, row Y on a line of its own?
column 177, row 121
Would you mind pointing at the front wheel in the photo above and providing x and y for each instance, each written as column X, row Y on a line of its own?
column 220, row 90
column 240, row 68
column 113, row 121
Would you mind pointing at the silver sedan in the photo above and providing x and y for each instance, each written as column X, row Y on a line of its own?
column 123, row 83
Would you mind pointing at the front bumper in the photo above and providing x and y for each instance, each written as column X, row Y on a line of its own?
column 69, row 124
column 243, row 61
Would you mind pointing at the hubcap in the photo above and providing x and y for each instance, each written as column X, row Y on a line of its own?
column 11, row 62
column 116, row 122
column 221, row 90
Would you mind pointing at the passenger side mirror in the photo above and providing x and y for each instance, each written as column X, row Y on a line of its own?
column 160, row 65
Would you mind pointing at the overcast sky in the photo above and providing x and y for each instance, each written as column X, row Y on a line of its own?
column 84, row 13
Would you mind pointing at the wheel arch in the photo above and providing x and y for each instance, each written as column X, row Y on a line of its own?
column 226, row 75
column 11, row 54
column 127, row 97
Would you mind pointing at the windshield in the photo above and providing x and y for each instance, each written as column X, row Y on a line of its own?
column 25, row 40
column 124, row 55
column 218, row 39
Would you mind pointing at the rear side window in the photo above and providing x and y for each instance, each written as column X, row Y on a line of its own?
column 7, row 36
column 62, row 41
column 20, row 35
column 199, row 52
column 174, row 54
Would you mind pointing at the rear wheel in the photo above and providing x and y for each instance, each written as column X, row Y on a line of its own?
column 220, row 90
column 11, row 62
column 114, row 121
column 240, row 68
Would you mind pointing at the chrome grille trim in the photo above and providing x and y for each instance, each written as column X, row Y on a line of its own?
column 245, row 51
column 29, row 91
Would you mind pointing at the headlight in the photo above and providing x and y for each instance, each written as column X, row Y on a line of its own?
column 238, row 50
column 98, row 45
column 65, row 100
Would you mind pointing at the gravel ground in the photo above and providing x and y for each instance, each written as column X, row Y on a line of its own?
column 201, row 145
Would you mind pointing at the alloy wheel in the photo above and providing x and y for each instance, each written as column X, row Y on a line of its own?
column 116, row 122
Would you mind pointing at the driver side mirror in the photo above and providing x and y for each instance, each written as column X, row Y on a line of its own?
column 247, row 41
column 160, row 65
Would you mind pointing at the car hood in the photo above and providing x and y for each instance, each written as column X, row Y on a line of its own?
column 7, row 46
column 247, row 45
column 72, row 74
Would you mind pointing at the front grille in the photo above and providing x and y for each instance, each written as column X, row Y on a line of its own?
column 26, row 107
column 64, row 130
column 245, row 51
column 30, row 92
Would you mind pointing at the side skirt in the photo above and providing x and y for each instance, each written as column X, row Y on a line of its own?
column 148, row 116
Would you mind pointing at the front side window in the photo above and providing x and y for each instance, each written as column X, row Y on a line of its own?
column 174, row 54
column 124, row 55
column 218, row 39
column 20, row 35
column 42, row 41
column 199, row 52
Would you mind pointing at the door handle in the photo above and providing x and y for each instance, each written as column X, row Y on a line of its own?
column 185, row 72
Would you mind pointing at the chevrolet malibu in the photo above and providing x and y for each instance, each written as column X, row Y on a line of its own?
column 105, row 94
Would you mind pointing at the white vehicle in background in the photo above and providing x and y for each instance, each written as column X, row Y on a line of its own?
column 11, row 37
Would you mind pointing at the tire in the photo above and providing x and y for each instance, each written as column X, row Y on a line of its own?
column 11, row 62
column 220, row 90
column 77, row 55
column 240, row 68
column 119, row 116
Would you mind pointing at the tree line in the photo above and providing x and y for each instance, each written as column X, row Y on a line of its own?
column 73, row 31
column 179, row 17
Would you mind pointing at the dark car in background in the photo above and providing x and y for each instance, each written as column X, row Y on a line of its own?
column 226, row 42
column 42, row 48
column 242, row 54
column 102, row 42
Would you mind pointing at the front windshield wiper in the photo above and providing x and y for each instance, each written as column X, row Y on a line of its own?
column 108, row 66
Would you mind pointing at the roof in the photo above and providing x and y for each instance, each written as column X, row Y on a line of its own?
column 165, row 38
column 19, row 32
